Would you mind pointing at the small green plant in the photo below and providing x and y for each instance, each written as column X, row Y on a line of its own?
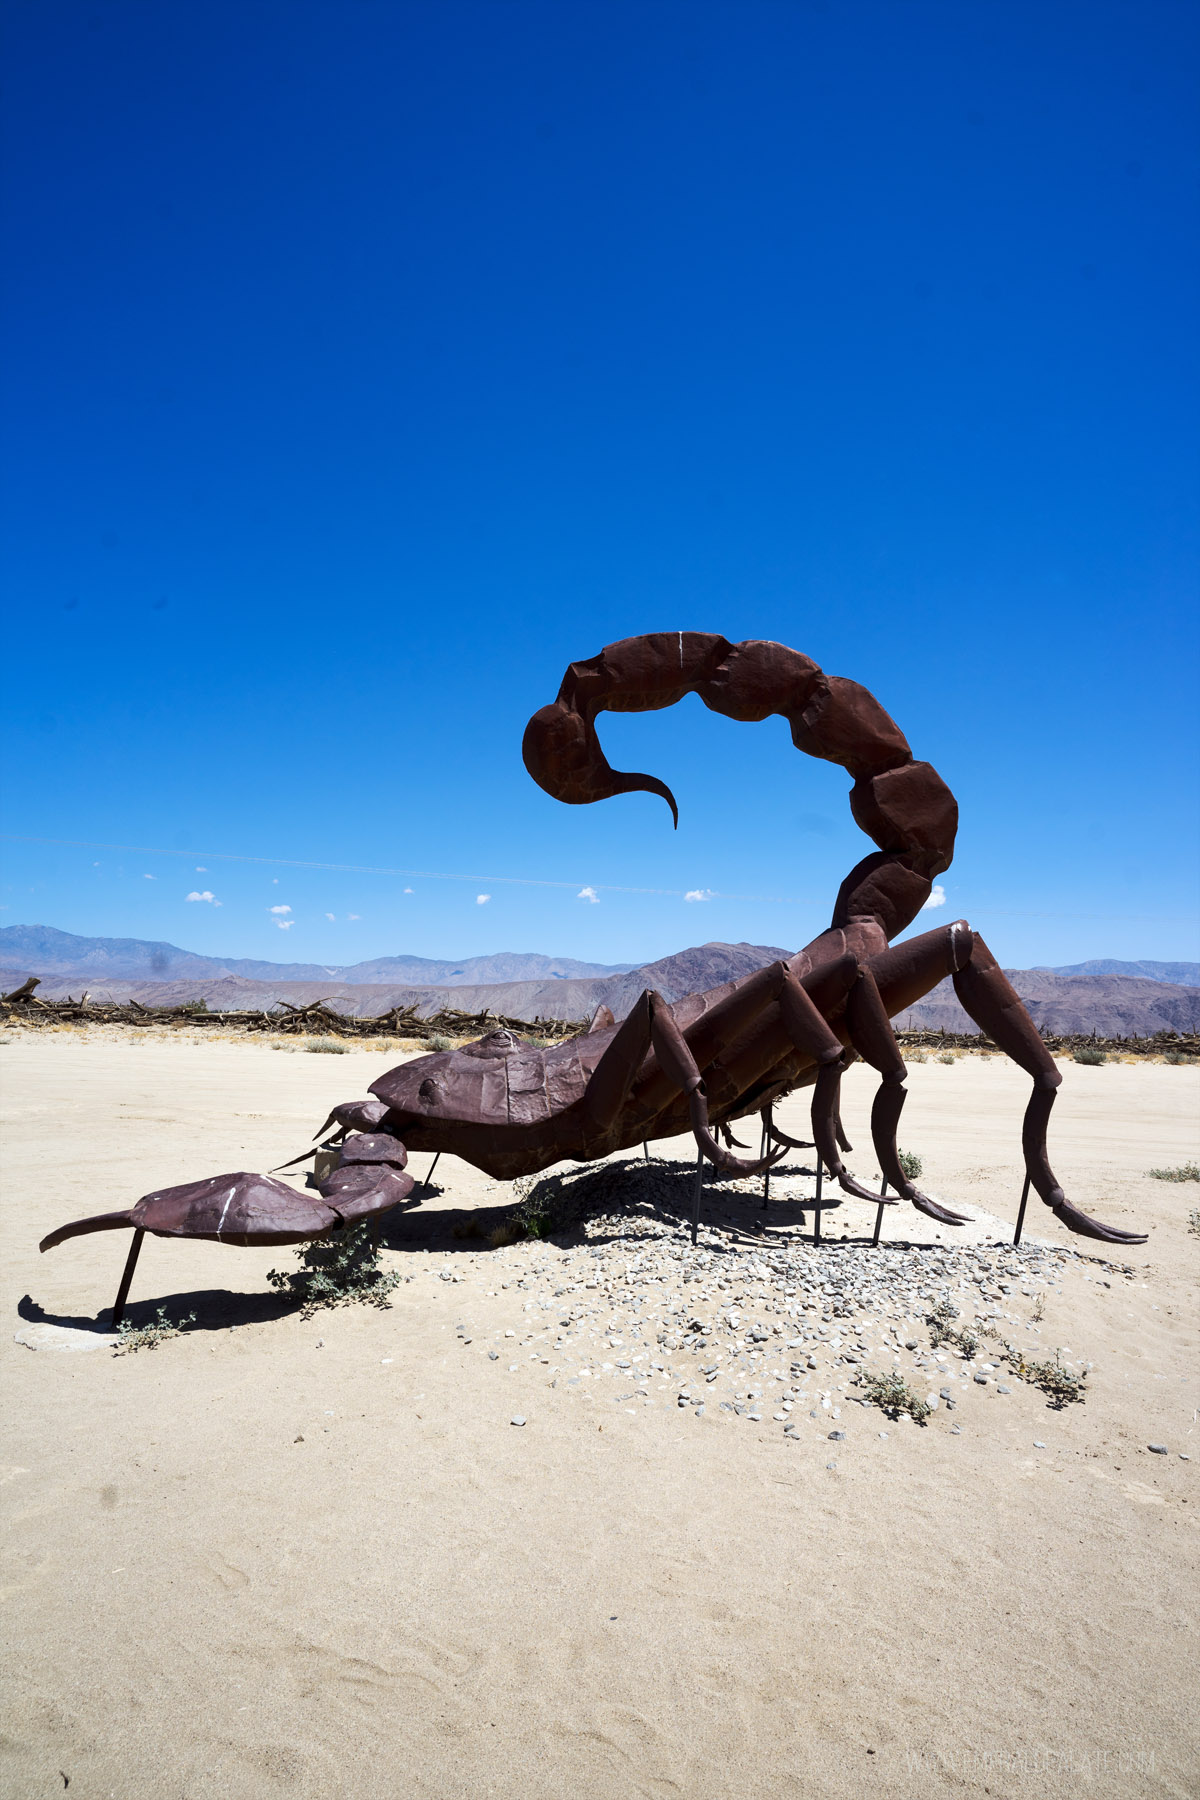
column 194, row 1006
column 893, row 1394
column 942, row 1330
column 1194, row 1221
column 1089, row 1057
column 1038, row 1310
column 916, row 1056
column 335, row 1270
column 947, row 1057
column 326, row 1046
column 440, row 1042
column 1185, row 1172
column 149, row 1336
column 1179, row 1059
column 911, row 1164
column 1062, row 1385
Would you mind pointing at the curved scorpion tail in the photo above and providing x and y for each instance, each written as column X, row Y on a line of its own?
column 901, row 803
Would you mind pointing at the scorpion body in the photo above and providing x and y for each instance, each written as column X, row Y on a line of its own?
column 512, row 1109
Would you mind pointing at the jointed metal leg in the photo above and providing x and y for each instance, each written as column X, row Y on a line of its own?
column 433, row 1165
column 764, row 1146
column 1021, row 1213
column 118, row 1311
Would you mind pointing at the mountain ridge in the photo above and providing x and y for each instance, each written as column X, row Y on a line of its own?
column 47, row 951
column 1111, row 1005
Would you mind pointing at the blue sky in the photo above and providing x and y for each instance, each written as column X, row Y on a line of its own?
column 369, row 362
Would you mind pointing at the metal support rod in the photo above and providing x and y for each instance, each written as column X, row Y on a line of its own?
column 645, row 1150
column 696, row 1192
column 1021, row 1213
column 817, row 1202
column 879, row 1214
column 118, row 1312
column 433, row 1165
column 763, row 1147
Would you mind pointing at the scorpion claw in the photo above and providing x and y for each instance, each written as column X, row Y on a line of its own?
column 1086, row 1226
column 781, row 1137
column 708, row 1145
column 932, row 1210
column 851, row 1185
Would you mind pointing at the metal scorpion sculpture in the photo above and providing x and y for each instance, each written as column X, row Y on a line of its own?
column 704, row 1061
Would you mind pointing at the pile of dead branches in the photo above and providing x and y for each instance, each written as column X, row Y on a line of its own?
column 1063, row 1043
column 318, row 1018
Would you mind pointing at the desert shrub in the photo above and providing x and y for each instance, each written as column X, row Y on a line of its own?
column 942, row 1330
column 151, row 1335
column 1179, row 1059
column 911, row 1164
column 1062, row 1385
column 326, row 1046
column 893, row 1394
column 1091, row 1058
column 1194, row 1221
column 1185, row 1172
column 194, row 1006
column 916, row 1056
column 947, row 1057
column 439, row 1041
column 335, row 1270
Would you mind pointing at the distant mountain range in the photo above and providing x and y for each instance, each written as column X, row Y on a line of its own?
column 1114, row 999
column 1180, row 974
column 50, row 953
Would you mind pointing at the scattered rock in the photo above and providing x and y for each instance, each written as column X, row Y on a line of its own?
column 64, row 1337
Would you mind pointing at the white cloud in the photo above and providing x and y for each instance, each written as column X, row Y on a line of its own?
column 589, row 894
column 482, row 899
column 937, row 898
column 332, row 917
column 285, row 924
column 149, row 877
column 208, row 899
column 200, row 869
column 698, row 894
column 408, row 890
column 281, row 909
column 354, row 916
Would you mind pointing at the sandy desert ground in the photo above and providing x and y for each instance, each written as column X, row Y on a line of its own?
column 315, row 1558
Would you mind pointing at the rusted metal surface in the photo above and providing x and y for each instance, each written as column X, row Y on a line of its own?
column 718, row 1056
column 513, row 1109
column 256, row 1209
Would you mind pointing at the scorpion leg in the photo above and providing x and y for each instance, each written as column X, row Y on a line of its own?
column 996, row 1008
column 906, row 972
column 809, row 1031
column 651, row 1026
column 872, row 1036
